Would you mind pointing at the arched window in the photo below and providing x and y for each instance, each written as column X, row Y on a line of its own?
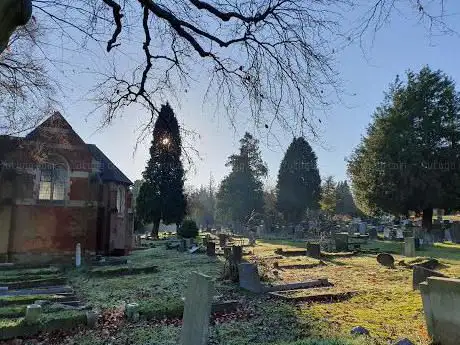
column 54, row 179
column 121, row 199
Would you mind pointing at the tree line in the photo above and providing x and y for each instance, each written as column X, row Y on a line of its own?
column 241, row 196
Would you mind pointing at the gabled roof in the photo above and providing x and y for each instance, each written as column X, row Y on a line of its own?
column 108, row 171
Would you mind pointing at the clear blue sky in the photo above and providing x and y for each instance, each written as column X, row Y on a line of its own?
column 400, row 46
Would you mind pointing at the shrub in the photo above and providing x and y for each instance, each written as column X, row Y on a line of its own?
column 188, row 229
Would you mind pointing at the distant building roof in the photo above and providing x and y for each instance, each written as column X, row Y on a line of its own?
column 108, row 170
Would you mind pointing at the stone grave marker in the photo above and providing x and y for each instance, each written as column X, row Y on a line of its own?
column 373, row 233
column 188, row 242
column 362, row 228
column 399, row 234
column 223, row 240
column 421, row 274
column 341, row 242
column 237, row 254
column 249, row 277
column 33, row 313
column 182, row 245
column 386, row 233
column 455, row 232
column 197, row 310
column 386, row 260
column 447, row 235
column 211, row 249
column 409, row 246
column 313, row 250
column 227, row 252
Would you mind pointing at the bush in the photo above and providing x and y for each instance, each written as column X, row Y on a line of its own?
column 188, row 229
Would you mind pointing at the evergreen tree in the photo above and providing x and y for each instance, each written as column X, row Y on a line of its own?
column 328, row 195
column 407, row 160
column 161, row 196
column 241, row 192
column 298, row 186
column 344, row 199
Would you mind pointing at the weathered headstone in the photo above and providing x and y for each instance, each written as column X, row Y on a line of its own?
column 211, row 249
column 362, row 228
column 182, row 245
column 455, row 232
column 223, row 240
column 249, row 277
column 91, row 319
column 227, row 252
column 314, row 250
column 197, row 310
column 341, row 242
column 386, row 260
column 237, row 254
column 447, row 235
column 373, row 233
column 409, row 246
column 421, row 274
column 188, row 242
column 386, row 233
column 399, row 234
column 252, row 238
column 33, row 312
column 132, row 311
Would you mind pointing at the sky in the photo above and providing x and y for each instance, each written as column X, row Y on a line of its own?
column 365, row 76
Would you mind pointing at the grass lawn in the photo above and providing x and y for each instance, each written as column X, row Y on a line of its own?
column 385, row 303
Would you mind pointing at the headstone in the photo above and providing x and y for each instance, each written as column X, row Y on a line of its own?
column 132, row 312
column 33, row 313
column 373, row 233
column 91, row 319
column 197, row 310
column 409, row 246
column 351, row 230
column 341, row 242
column 386, row 233
column 78, row 255
column 252, row 238
column 211, row 249
column 182, row 245
column 227, row 252
column 362, row 227
column 386, row 260
column 399, row 234
column 188, row 242
column 223, row 240
column 249, row 277
column 314, row 250
column 421, row 274
column 455, row 232
column 237, row 253
column 447, row 235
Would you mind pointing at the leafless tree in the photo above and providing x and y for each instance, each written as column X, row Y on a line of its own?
column 275, row 56
column 26, row 89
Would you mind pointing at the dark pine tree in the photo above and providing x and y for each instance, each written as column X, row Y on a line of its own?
column 299, row 184
column 161, row 196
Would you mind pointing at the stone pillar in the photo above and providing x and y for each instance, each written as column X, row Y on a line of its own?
column 197, row 310
column 409, row 246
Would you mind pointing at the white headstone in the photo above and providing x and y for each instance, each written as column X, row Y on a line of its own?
column 386, row 233
column 399, row 233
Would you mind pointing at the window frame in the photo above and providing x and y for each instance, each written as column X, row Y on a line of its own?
column 59, row 172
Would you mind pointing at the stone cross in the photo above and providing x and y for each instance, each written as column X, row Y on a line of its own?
column 197, row 310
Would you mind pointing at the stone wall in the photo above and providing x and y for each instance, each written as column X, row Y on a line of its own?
column 441, row 304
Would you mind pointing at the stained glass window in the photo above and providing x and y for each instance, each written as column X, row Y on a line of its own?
column 53, row 182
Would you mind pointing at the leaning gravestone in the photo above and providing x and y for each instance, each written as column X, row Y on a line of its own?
column 314, row 250
column 197, row 310
column 249, row 277
column 386, row 260
column 421, row 274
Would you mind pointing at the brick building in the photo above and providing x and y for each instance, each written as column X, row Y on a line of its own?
column 57, row 191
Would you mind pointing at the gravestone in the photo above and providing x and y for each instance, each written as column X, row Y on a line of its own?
column 132, row 311
column 455, row 232
column 362, row 228
column 399, row 234
column 188, row 242
column 409, row 246
column 223, row 240
column 351, row 230
column 33, row 313
column 373, row 233
column 197, row 310
column 252, row 238
column 421, row 274
column 211, row 249
column 341, row 242
column 386, row 233
column 227, row 252
column 314, row 250
column 386, row 260
column 237, row 254
column 249, row 277
column 182, row 245
column 447, row 235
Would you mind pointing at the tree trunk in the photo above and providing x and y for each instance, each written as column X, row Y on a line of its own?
column 155, row 228
column 427, row 219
